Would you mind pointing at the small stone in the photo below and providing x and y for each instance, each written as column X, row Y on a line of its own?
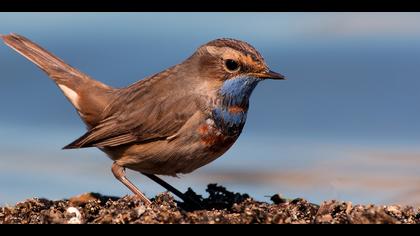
column 325, row 218
column 349, row 207
column 74, row 213
column 393, row 209
column 82, row 199
column 140, row 210
column 278, row 199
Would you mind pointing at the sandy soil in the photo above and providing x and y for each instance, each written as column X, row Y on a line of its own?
column 220, row 207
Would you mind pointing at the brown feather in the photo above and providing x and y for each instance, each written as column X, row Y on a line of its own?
column 147, row 110
column 93, row 96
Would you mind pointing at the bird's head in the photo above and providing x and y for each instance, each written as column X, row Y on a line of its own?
column 225, row 59
column 233, row 67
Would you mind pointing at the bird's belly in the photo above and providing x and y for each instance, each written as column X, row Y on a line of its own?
column 189, row 151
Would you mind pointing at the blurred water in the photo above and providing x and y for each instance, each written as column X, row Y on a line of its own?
column 344, row 125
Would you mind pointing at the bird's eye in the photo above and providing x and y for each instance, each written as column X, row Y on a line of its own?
column 231, row 65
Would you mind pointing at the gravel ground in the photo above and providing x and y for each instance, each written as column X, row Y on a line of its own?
column 220, row 207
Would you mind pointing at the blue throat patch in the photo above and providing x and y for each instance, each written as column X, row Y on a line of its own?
column 237, row 91
column 234, row 92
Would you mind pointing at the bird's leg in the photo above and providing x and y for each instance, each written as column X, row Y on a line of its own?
column 172, row 189
column 119, row 173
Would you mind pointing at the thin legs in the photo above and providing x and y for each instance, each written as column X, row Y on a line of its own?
column 175, row 191
column 119, row 173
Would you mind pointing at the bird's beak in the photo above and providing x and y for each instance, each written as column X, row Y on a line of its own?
column 269, row 74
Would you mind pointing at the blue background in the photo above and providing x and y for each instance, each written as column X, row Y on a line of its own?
column 345, row 125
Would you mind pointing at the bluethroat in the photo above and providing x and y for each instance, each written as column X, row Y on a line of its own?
column 170, row 123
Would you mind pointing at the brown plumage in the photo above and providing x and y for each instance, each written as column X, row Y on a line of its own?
column 172, row 122
column 93, row 95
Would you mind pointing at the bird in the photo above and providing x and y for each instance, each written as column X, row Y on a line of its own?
column 170, row 123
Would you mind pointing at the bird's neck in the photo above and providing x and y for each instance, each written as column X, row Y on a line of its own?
column 231, row 111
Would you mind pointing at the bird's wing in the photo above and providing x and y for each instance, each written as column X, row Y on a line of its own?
column 142, row 116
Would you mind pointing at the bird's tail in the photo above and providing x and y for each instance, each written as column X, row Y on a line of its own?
column 88, row 96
